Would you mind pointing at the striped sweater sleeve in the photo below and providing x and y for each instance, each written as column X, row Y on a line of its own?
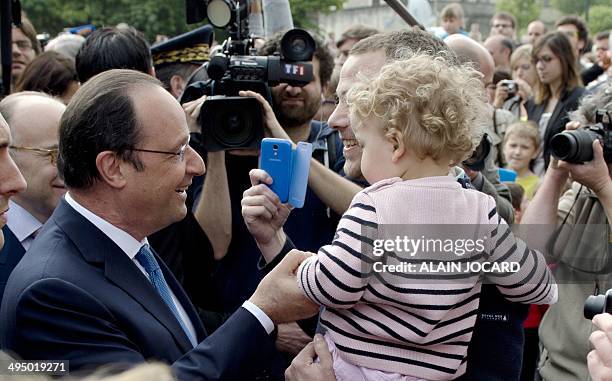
column 337, row 276
column 533, row 282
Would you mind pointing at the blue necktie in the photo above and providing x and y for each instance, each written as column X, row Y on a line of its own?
column 146, row 258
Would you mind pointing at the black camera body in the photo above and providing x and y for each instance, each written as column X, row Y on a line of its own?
column 511, row 85
column 577, row 146
column 227, row 120
column 598, row 304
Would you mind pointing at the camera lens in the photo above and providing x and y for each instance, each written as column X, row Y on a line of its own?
column 297, row 45
column 573, row 146
column 232, row 128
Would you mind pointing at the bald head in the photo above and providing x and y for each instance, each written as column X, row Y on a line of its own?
column 500, row 47
column 468, row 50
column 34, row 123
column 31, row 113
column 535, row 30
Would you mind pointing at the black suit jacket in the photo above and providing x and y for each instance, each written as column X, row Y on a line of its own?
column 76, row 296
column 569, row 101
column 10, row 255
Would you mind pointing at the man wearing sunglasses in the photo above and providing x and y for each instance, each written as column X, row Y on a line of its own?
column 33, row 120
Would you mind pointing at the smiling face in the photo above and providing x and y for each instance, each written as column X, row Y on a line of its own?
column 35, row 123
column 368, row 64
column 155, row 196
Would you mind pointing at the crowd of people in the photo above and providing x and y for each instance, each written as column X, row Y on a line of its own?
column 125, row 240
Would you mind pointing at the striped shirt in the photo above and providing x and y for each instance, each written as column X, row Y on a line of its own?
column 416, row 323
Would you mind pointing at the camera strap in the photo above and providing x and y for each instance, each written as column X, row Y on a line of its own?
column 500, row 158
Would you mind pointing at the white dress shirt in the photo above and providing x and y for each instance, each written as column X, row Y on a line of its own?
column 22, row 224
column 131, row 246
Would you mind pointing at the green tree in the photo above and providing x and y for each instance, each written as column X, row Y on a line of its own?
column 150, row 16
column 304, row 11
column 578, row 6
column 600, row 18
column 525, row 11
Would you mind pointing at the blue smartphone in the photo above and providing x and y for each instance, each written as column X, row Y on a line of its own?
column 277, row 160
column 299, row 174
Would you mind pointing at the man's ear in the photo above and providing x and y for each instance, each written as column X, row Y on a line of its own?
column 177, row 85
column 110, row 168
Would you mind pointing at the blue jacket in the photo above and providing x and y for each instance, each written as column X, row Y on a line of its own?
column 76, row 296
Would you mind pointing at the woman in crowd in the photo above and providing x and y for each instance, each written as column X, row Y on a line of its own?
column 558, row 91
column 52, row 73
column 525, row 78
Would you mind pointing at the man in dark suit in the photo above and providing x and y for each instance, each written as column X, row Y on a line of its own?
column 33, row 119
column 90, row 289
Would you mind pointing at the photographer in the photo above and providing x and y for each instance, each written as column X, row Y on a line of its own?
column 580, row 257
column 512, row 95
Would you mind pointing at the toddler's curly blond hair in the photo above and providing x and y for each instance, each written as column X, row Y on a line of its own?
column 437, row 108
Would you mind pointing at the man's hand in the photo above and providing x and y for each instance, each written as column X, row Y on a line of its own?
column 263, row 212
column 593, row 174
column 278, row 294
column 291, row 338
column 192, row 112
column 599, row 360
column 304, row 368
column 273, row 127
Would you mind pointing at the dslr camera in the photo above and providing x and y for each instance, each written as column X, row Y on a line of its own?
column 511, row 85
column 598, row 304
column 577, row 146
column 229, row 121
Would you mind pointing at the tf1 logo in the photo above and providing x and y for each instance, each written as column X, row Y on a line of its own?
column 292, row 69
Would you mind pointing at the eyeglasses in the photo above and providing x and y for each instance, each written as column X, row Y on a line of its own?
column 545, row 59
column 23, row 45
column 180, row 153
column 51, row 153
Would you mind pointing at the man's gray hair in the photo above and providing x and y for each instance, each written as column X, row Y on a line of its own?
column 589, row 105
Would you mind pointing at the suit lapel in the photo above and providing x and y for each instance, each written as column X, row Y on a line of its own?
column 96, row 247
